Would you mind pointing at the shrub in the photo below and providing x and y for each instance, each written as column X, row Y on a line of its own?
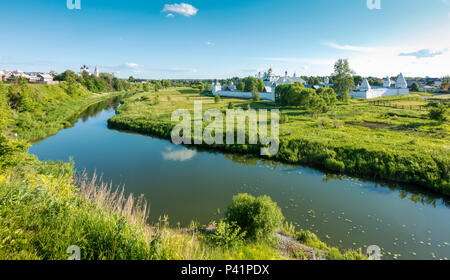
column 438, row 113
column 216, row 99
column 334, row 254
column 337, row 124
column 334, row 165
column 227, row 235
column 354, row 255
column 256, row 96
column 259, row 216
column 310, row 239
column 230, row 105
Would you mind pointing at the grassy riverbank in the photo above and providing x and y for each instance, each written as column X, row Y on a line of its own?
column 391, row 140
column 44, row 209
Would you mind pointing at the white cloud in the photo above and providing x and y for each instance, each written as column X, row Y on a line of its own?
column 131, row 65
column 184, row 9
column 348, row 47
column 424, row 53
column 170, row 15
column 210, row 44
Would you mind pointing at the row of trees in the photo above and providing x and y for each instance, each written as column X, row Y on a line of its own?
column 322, row 100
column 104, row 83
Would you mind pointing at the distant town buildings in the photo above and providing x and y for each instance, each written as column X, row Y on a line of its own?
column 389, row 88
column 270, row 80
column 32, row 77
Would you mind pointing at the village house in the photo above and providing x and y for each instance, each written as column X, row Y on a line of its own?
column 32, row 77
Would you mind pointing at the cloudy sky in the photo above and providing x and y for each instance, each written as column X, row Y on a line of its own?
column 224, row 38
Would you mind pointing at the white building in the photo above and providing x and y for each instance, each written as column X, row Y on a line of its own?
column 366, row 91
column 271, row 81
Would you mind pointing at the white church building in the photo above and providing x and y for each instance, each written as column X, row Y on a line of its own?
column 389, row 88
column 271, row 81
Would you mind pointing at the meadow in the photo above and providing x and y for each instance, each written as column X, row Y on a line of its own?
column 388, row 140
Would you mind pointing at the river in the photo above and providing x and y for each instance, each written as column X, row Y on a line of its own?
column 189, row 184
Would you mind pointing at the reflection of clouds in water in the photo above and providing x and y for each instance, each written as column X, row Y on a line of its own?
column 178, row 155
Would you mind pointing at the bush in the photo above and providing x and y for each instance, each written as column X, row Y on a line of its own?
column 334, row 165
column 335, row 255
column 256, row 96
column 259, row 216
column 310, row 239
column 230, row 105
column 216, row 99
column 438, row 113
column 227, row 235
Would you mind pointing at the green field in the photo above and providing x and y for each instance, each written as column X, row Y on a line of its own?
column 362, row 138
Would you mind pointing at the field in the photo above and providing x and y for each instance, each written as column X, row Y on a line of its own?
column 362, row 138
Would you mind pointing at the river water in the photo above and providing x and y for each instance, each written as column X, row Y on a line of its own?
column 189, row 184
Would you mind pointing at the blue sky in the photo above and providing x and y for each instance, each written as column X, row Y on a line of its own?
column 217, row 39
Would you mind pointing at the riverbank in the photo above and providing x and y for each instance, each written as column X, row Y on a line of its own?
column 360, row 138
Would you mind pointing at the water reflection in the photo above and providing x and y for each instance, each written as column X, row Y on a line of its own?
column 182, row 154
column 412, row 193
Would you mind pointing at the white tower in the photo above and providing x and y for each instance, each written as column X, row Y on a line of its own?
column 96, row 73
column 365, row 86
column 401, row 82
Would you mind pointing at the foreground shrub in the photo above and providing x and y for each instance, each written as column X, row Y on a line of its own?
column 259, row 217
column 227, row 235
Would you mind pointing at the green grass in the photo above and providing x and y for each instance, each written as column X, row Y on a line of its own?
column 360, row 138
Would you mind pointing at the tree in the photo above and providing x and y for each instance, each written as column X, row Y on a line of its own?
column 166, row 83
column 259, row 217
column 260, row 85
column 117, row 84
column 240, row 86
column 329, row 96
column 158, row 86
column 357, row 80
column 343, row 79
column 438, row 113
column 251, row 84
column 216, row 99
column 131, row 79
column 146, row 87
column 315, row 105
column 415, row 87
